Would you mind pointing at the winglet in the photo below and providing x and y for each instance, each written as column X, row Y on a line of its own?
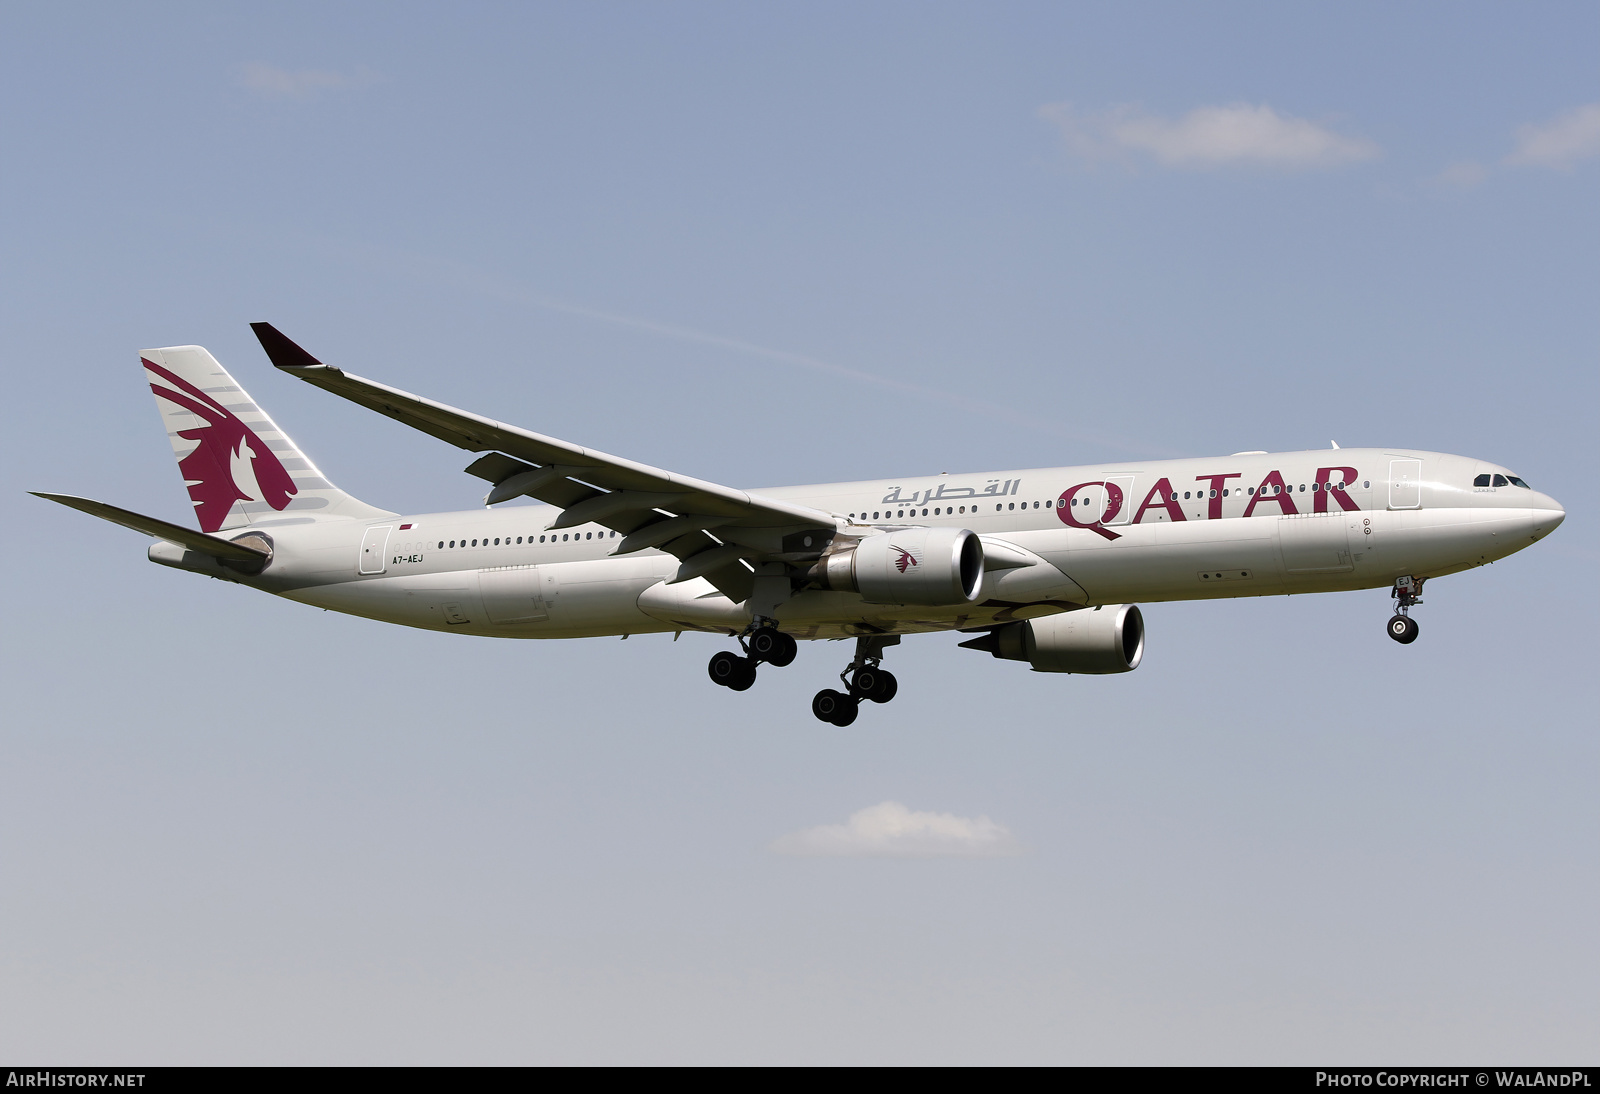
column 281, row 351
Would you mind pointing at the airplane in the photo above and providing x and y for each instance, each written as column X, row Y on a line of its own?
column 1043, row 566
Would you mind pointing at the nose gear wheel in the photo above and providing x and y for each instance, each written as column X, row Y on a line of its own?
column 1407, row 593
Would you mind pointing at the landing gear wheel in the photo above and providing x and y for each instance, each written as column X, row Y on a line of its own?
column 1403, row 629
column 833, row 706
column 732, row 671
column 876, row 684
column 746, row 677
column 773, row 646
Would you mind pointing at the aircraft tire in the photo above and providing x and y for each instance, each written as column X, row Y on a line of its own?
column 829, row 705
column 726, row 668
column 872, row 683
column 1403, row 629
column 746, row 675
column 773, row 646
column 787, row 649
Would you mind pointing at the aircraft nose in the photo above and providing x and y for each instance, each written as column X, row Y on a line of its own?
column 1548, row 516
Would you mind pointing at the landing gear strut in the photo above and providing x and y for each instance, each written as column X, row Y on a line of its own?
column 764, row 643
column 863, row 679
column 1407, row 592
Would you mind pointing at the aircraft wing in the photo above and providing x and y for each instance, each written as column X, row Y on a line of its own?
column 646, row 506
column 215, row 546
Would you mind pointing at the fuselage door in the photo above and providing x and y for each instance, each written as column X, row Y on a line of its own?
column 1405, row 484
column 374, row 550
column 1119, row 492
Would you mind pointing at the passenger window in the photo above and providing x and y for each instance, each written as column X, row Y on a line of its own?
column 1500, row 480
column 1186, row 495
column 1481, row 480
column 924, row 512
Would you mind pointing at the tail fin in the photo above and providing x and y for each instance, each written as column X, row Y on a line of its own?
column 239, row 466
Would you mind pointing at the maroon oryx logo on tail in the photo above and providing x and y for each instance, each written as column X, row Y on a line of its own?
column 906, row 559
column 208, row 470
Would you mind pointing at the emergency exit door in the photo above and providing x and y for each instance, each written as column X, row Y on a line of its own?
column 375, row 549
column 1405, row 484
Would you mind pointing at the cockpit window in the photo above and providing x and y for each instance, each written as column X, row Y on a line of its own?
column 1518, row 482
column 1481, row 480
column 1500, row 480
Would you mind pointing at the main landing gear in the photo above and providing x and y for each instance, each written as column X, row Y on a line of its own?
column 764, row 643
column 863, row 679
column 1407, row 592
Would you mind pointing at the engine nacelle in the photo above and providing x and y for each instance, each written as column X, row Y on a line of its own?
column 932, row 566
column 1100, row 640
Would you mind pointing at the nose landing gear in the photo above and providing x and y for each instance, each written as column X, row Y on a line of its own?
column 863, row 679
column 1407, row 592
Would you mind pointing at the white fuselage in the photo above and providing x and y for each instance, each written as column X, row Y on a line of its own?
column 1245, row 525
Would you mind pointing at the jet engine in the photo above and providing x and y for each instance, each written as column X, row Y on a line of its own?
column 1100, row 640
column 932, row 566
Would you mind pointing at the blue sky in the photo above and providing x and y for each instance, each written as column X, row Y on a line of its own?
column 766, row 245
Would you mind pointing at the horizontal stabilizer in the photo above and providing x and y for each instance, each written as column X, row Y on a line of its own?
column 215, row 546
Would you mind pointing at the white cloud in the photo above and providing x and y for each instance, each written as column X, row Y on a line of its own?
column 891, row 830
column 1560, row 142
column 1206, row 137
column 272, row 82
